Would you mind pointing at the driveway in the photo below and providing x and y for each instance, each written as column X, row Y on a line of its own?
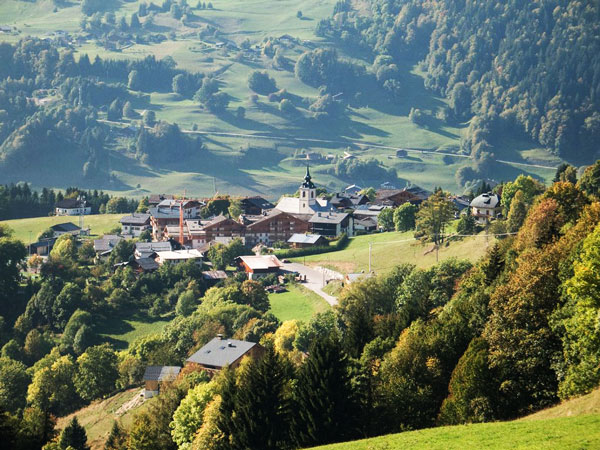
column 315, row 279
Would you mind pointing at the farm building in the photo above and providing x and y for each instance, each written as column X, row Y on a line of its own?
column 220, row 352
column 260, row 265
column 307, row 240
column 155, row 376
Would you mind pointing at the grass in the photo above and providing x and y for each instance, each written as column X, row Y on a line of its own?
column 98, row 417
column 99, row 224
column 122, row 330
column 557, row 433
column 334, row 288
column 393, row 248
column 586, row 404
column 298, row 303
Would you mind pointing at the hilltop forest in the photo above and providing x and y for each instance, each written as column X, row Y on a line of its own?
column 76, row 103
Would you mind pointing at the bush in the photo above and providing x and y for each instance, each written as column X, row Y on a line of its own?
column 261, row 83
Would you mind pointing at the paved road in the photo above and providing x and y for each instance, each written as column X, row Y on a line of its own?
column 315, row 280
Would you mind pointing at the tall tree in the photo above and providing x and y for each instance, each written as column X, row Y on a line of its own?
column 433, row 216
column 326, row 406
column 73, row 436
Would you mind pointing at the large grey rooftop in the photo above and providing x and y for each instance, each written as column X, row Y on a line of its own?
column 161, row 373
column 221, row 352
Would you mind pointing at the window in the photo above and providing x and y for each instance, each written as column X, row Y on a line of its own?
column 303, row 194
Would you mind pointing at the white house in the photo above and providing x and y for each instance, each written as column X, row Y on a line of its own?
column 178, row 256
column 486, row 207
column 72, row 207
column 135, row 224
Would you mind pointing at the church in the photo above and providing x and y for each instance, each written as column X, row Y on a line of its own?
column 307, row 202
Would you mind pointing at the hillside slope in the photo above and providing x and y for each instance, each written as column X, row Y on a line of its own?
column 572, row 424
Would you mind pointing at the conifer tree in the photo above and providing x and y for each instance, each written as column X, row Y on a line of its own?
column 117, row 439
column 327, row 409
column 73, row 436
column 262, row 406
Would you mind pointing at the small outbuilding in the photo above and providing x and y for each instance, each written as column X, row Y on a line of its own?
column 259, row 265
column 155, row 376
column 307, row 240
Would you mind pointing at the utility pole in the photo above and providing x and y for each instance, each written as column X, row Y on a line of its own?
column 370, row 248
column 29, row 242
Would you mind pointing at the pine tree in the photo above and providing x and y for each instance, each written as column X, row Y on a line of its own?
column 74, row 436
column 117, row 439
column 327, row 409
column 262, row 406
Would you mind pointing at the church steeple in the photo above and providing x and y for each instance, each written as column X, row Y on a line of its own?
column 307, row 184
column 308, row 194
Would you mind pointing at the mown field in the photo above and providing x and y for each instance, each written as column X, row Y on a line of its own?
column 377, row 122
column 393, row 248
column 298, row 303
column 26, row 229
column 125, row 328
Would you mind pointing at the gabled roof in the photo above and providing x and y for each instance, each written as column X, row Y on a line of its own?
column 161, row 373
column 136, row 219
column 107, row 243
column 70, row 203
column 261, row 262
column 214, row 275
column 145, row 249
column 298, row 238
column 65, row 227
column 329, row 217
column 179, row 254
column 157, row 198
column 258, row 202
column 172, row 203
column 487, row 200
column 291, row 205
column 220, row 352
column 146, row 264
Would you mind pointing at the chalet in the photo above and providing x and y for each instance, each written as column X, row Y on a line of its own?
column 332, row 224
column 144, row 265
column 401, row 153
column 135, row 224
column 212, row 277
column 72, row 207
column 397, row 197
column 256, row 205
column 167, row 213
column 104, row 246
column 486, row 207
column 155, row 199
column 42, row 247
column 219, row 353
column 65, row 228
column 368, row 211
column 178, row 256
column 275, row 226
column 222, row 226
column 147, row 249
column 155, row 376
column 307, row 240
column 366, row 225
column 260, row 265
column 342, row 200
column 307, row 202
column 387, row 186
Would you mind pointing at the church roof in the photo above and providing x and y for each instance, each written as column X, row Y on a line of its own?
column 307, row 184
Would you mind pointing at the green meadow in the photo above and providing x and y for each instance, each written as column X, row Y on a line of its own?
column 298, row 303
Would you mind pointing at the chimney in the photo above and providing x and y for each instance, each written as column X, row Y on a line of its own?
column 220, row 336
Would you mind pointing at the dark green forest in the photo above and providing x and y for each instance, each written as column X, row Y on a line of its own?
column 526, row 66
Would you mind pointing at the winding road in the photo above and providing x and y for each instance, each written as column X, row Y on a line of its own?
column 315, row 280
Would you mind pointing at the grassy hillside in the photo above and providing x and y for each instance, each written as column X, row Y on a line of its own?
column 98, row 417
column 393, row 248
column 362, row 127
column 99, row 224
column 297, row 303
column 574, row 423
column 557, row 433
column 122, row 329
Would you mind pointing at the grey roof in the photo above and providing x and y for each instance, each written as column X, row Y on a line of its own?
column 151, row 247
column 214, row 275
column 488, row 200
column 259, row 202
column 147, row 264
column 66, row 227
column 221, row 352
column 161, row 373
column 329, row 217
column 107, row 243
column 136, row 219
column 70, row 203
column 298, row 238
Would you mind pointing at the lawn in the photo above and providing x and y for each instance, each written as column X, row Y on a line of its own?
column 558, row 433
column 393, row 248
column 297, row 303
column 123, row 329
column 98, row 417
column 98, row 223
